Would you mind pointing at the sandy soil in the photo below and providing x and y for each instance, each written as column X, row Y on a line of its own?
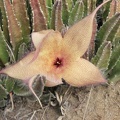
column 68, row 103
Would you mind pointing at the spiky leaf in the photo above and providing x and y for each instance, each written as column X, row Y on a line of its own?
column 49, row 7
column 114, row 74
column 105, row 11
column 116, row 68
column 105, row 57
column 65, row 12
column 85, row 7
column 91, row 5
column 43, row 5
column 116, row 41
column 114, row 8
column 108, row 31
column 14, row 27
column 69, row 4
column 56, row 20
column 19, row 7
column 114, row 78
column 114, row 57
column 3, row 49
column 4, row 24
column 76, row 13
column 39, row 22
column 99, row 53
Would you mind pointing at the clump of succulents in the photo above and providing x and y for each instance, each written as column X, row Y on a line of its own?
column 19, row 18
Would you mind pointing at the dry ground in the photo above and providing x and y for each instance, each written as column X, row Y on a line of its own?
column 85, row 103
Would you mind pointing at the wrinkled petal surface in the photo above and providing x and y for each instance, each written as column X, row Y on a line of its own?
column 43, row 64
column 81, row 73
column 22, row 70
column 37, row 37
column 80, row 34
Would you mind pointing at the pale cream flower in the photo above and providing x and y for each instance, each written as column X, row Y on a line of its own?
column 58, row 57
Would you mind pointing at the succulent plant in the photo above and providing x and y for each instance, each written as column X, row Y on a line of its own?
column 19, row 18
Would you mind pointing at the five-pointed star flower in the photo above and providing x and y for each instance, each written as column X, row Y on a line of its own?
column 58, row 57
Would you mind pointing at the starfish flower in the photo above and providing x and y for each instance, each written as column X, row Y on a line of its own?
column 58, row 57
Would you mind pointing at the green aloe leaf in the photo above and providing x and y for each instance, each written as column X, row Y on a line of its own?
column 56, row 19
column 85, row 7
column 115, row 78
column 116, row 41
column 114, row 74
column 108, row 31
column 14, row 27
column 114, row 8
column 43, row 5
column 4, row 57
column 103, row 61
column 19, row 7
column 70, row 4
column 9, row 84
column 106, row 11
column 39, row 22
column 91, row 5
column 65, row 12
column 29, row 13
column 118, row 33
column 96, row 58
column 116, row 68
column 49, row 7
column 4, row 24
column 3, row 92
column 80, row 11
column 76, row 13
column 114, row 56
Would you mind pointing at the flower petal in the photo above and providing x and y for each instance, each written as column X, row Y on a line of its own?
column 43, row 64
column 37, row 37
column 22, row 70
column 81, row 73
column 80, row 34
column 51, row 84
column 44, row 39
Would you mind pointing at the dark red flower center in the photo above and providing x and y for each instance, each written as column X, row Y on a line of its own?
column 58, row 62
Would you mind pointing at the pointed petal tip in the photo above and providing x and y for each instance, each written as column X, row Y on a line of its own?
column 52, row 80
column 100, row 6
column 83, row 73
column 101, row 81
column 81, row 38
